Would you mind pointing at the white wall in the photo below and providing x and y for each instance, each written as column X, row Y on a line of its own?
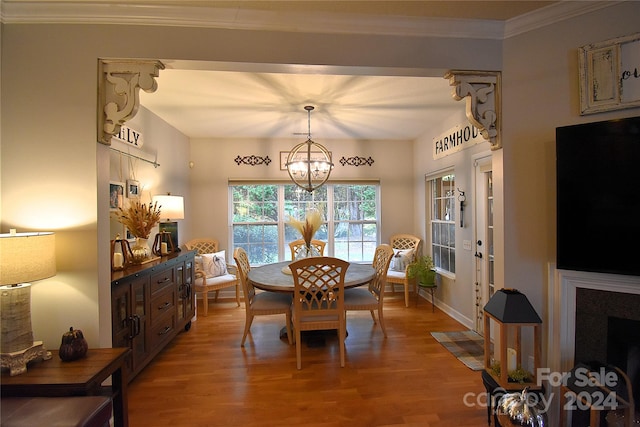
column 214, row 166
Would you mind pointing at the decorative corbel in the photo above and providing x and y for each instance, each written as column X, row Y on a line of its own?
column 119, row 82
column 482, row 90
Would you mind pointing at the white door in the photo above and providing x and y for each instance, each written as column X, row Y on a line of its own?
column 484, row 258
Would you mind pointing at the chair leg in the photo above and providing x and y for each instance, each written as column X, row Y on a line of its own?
column 406, row 293
column 373, row 316
column 342, row 334
column 237, row 294
column 298, row 349
column 247, row 326
column 289, row 332
column 205, row 302
column 384, row 330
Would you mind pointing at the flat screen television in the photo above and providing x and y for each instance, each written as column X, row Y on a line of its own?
column 598, row 197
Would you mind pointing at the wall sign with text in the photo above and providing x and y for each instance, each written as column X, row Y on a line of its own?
column 610, row 75
column 456, row 139
column 129, row 136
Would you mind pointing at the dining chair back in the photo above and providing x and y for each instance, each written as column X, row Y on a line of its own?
column 260, row 303
column 372, row 297
column 318, row 302
column 299, row 244
column 406, row 248
column 205, row 281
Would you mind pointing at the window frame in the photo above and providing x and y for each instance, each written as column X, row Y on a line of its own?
column 433, row 219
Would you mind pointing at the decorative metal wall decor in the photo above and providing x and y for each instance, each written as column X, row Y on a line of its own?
column 356, row 161
column 252, row 160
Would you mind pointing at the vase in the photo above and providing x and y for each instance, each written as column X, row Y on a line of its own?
column 140, row 250
column 307, row 251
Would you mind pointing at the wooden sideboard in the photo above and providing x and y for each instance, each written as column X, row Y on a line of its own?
column 150, row 304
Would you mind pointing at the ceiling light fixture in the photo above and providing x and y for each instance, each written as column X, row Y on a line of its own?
column 309, row 163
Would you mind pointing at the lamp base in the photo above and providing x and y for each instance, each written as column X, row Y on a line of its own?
column 17, row 361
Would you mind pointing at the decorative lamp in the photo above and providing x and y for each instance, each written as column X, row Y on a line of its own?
column 171, row 209
column 24, row 257
column 309, row 163
column 511, row 310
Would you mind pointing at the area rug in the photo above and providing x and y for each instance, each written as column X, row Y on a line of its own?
column 467, row 346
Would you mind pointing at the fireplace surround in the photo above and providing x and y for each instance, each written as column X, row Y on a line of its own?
column 570, row 309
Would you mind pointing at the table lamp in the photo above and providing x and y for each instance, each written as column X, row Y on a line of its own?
column 24, row 257
column 171, row 209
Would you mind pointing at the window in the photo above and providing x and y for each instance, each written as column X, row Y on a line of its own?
column 259, row 214
column 443, row 223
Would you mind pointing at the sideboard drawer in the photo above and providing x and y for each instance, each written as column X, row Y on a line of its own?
column 162, row 303
column 161, row 280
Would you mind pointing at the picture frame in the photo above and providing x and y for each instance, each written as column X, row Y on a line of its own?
column 133, row 189
column 609, row 75
column 116, row 195
column 285, row 154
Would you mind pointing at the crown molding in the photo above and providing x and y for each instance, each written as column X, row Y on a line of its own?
column 123, row 13
column 552, row 14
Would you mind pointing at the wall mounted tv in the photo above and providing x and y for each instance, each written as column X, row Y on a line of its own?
column 598, row 196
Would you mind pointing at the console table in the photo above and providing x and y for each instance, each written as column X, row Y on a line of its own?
column 82, row 377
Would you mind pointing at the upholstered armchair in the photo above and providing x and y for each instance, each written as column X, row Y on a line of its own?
column 405, row 249
column 211, row 273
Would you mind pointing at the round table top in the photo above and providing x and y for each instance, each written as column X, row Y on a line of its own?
column 270, row 277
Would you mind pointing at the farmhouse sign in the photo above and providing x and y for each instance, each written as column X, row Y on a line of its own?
column 456, row 139
column 129, row 136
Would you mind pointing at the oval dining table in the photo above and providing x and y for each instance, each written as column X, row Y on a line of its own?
column 270, row 277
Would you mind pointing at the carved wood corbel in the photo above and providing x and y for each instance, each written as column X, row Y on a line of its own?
column 119, row 82
column 482, row 90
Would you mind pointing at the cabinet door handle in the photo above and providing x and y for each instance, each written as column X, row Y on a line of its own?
column 165, row 330
column 134, row 326
column 163, row 306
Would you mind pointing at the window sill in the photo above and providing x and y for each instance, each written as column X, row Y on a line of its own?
column 444, row 273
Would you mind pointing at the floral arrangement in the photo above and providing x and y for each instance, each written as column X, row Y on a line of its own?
column 139, row 218
column 309, row 226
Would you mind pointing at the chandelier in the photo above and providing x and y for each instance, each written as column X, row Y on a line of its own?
column 309, row 163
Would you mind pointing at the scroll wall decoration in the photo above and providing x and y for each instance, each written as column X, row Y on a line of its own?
column 252, row 160
column 356, row 161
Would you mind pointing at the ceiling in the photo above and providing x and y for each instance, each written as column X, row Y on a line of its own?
column 204, row 101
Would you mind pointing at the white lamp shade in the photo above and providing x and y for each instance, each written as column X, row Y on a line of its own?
column 171, row 207
column 25, row 257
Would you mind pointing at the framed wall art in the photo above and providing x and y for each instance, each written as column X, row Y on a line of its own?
column 116, row 195
column 133, row 189
column 610, row 75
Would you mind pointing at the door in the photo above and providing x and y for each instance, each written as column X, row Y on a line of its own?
column 484, row 257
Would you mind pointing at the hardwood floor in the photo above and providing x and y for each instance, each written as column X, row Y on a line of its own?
column 204, row 377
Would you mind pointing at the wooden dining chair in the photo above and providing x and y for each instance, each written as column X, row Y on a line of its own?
column 318, row 302
column 406, row 248
column 260, row 303
column 372, row 297
column 206, row 281
column 297, row 245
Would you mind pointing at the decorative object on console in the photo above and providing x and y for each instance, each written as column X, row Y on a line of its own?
column 356, row 161
column 139, row 220
column 252, row 160
column 73, row 345
column 172, row 208
column 309, row 163
column 518, row 409
column 511, row 310
column 121, row 255
column 24, row 257
column 163, row 244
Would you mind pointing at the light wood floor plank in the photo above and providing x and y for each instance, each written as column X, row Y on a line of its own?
column 204, row 377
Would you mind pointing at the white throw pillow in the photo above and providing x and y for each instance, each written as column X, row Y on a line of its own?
column 401, row 258
column 214, row 265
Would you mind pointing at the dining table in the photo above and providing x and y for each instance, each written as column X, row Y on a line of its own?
column 275, row 278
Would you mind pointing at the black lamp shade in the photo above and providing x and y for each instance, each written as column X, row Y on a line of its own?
column 511, row 306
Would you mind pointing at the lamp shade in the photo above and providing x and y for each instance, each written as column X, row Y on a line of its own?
column 511, row 306
column 25, row 257
column 171, row 207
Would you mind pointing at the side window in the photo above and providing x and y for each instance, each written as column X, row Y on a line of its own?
column 443, row 223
